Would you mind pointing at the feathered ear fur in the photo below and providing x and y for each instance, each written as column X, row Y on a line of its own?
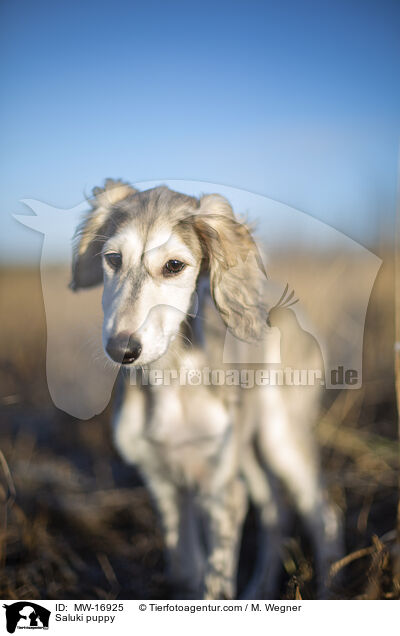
column 237, row 273
column 91, row 234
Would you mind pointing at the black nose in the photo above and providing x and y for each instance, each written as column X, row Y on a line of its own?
column 123, row 348
column 132, row 352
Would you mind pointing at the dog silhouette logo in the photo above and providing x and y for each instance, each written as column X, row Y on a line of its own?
column 26, row 615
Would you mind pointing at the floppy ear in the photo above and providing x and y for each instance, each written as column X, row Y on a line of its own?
column 92, row 233
column 237, row 273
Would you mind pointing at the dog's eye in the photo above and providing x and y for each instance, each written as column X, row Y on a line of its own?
column 173, row 267
column 114, row 260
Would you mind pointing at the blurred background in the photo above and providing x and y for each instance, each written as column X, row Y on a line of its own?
column 298, row 103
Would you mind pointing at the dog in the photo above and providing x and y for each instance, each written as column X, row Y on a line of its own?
column 179, row 274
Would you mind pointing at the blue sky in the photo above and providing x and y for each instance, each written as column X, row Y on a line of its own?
column 296, row 100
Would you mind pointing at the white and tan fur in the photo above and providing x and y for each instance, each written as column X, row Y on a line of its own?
column 203, row 451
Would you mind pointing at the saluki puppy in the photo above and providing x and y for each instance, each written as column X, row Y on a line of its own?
column 180, row 273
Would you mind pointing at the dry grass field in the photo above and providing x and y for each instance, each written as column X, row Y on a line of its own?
column 75, row 522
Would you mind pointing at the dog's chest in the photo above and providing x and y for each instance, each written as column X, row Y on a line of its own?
column 187, row 428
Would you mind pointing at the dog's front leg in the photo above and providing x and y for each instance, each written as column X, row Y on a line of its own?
column 185, row 560
column 224, row 514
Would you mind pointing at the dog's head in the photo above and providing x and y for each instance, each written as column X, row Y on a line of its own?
column 149, row 248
